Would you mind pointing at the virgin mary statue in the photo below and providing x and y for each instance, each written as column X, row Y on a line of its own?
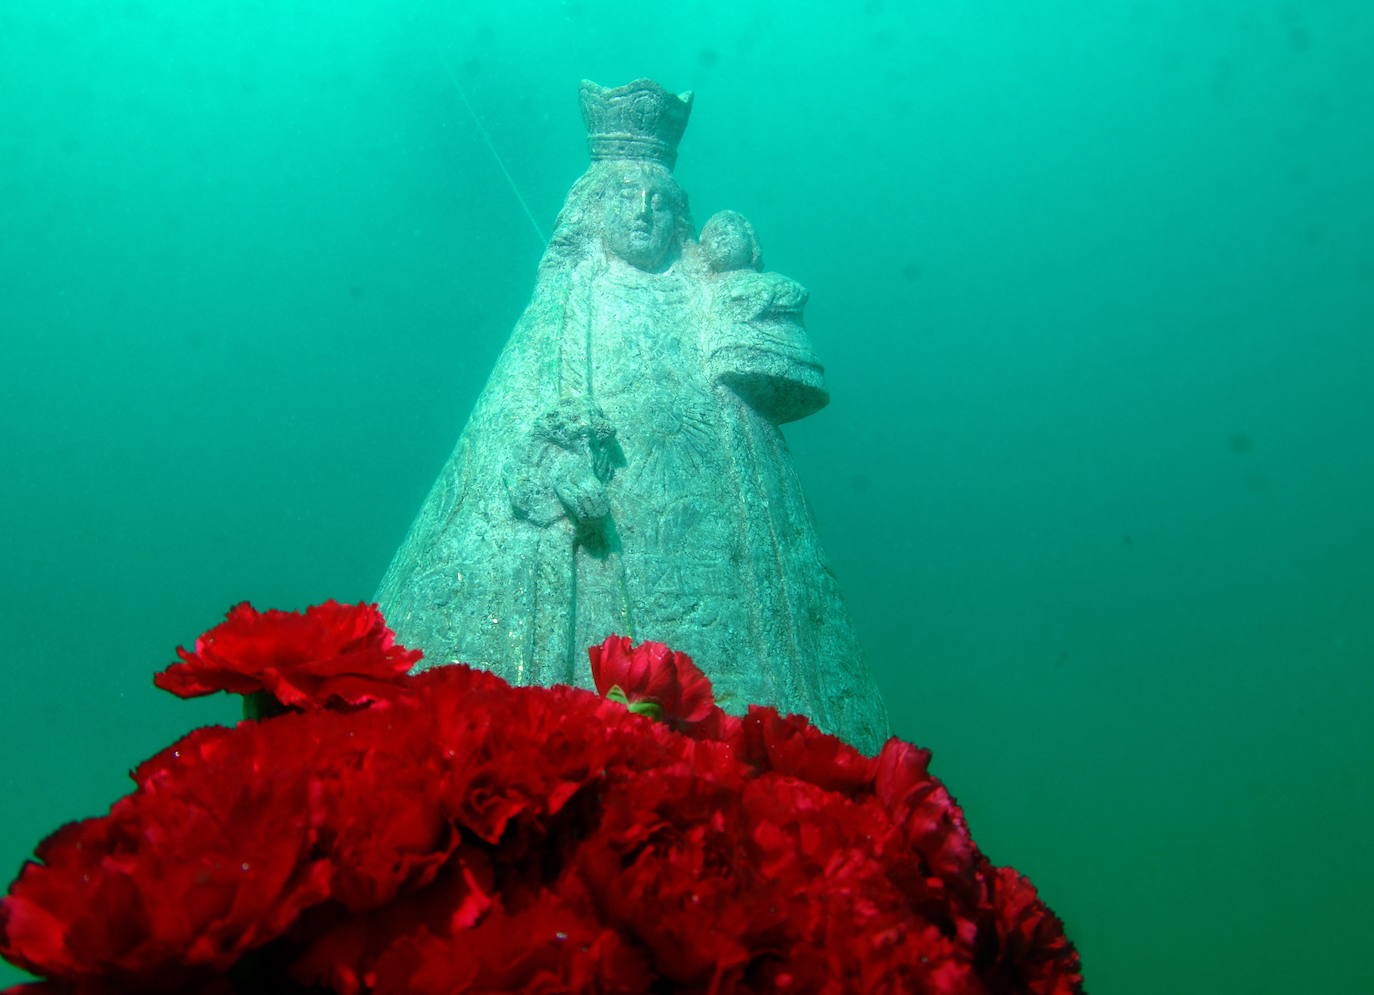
column 623, row 471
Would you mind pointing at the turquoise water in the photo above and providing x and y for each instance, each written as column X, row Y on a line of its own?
column 1092, row 281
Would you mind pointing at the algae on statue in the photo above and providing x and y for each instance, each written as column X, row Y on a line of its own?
column 623, row 470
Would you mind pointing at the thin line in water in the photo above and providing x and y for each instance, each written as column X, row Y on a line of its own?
column 491, row 147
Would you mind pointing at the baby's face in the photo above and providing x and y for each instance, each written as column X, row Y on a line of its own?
column 727, row 246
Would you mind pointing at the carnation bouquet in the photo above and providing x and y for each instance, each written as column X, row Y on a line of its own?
column 366, row 829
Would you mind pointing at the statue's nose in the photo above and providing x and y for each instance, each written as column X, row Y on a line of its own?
column 645, row 206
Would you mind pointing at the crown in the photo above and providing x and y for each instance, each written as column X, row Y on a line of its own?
column 639, row 120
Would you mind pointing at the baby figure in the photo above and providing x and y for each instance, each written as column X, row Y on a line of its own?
column 756, row 343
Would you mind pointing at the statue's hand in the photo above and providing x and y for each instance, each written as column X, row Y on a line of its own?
column 562, row 468
column 583, row 496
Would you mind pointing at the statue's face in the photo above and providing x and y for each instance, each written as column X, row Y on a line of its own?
column 641, row 218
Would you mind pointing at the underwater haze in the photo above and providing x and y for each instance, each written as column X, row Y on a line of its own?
column 1093, row 284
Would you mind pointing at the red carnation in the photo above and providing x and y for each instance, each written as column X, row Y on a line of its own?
column 792, row 745
column 1034, row 955
column 209, row 858
column 652, row 680
column 330, row 654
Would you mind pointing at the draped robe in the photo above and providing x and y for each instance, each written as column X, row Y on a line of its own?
column 709, row 545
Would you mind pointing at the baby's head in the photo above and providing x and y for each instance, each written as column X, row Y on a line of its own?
column 728, row 242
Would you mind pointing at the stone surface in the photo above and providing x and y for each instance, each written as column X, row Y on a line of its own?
column 623, row 471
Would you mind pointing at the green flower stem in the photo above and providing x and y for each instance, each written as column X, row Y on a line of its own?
column 647, row 707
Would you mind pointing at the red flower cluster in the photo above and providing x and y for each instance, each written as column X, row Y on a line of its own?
column 461, row 835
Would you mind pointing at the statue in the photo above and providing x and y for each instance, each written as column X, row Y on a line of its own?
column 623, row 471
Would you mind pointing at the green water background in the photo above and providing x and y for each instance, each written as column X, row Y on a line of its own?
column 1093, row 282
